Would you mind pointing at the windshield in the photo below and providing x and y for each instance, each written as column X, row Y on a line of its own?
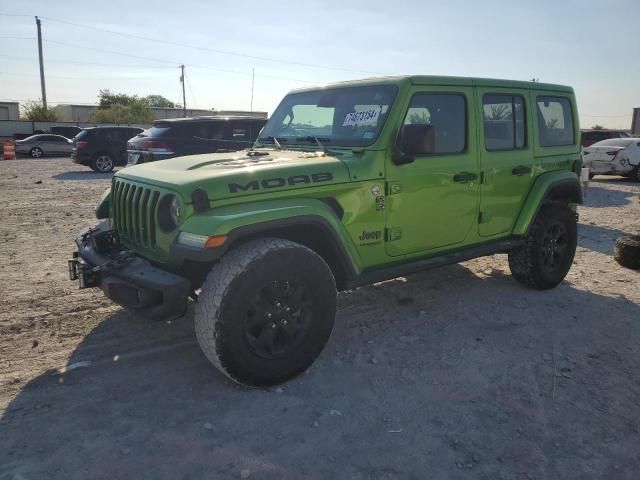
column 348, row 116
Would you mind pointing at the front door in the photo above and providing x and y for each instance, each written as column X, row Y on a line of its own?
column 433, row 201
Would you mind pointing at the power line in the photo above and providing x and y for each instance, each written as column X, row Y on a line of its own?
column 75, row 45
column 82, row 78
column 213, row 50
column 109, row 65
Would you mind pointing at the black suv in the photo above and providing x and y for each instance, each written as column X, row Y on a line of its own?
column 102, row 148
column 177, row 137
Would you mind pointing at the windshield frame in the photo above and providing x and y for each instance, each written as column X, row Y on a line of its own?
column 281, row 112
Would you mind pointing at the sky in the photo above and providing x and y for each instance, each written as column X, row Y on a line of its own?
column 136, row 47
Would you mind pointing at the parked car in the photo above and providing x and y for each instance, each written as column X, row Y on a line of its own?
column 44, row 144
column 348, row 185
column 616, row 156
column 68, row 131
column 177, row 137
column 102, row 148
column 589, row 137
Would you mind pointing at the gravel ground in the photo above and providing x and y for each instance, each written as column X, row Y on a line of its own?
column 457, row 373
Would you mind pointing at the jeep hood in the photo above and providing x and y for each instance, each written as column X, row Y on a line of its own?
column 241, row 173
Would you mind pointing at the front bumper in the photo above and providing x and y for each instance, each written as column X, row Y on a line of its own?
column 126, row 278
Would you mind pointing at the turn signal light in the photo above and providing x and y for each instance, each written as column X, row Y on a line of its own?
column 213, row 242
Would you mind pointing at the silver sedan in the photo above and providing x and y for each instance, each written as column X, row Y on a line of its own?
column 44, row 144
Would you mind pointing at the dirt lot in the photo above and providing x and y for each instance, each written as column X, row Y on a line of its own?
column 454, row 373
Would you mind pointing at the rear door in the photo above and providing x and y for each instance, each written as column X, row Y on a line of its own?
column 506, row 157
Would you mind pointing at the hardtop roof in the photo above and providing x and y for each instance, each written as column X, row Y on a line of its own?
column 446, row 80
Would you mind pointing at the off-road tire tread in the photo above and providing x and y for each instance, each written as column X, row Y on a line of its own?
column 207, row 313
column 521, row 259
column 627, row 251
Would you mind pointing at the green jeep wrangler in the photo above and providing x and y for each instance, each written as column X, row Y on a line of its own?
column 347, row 185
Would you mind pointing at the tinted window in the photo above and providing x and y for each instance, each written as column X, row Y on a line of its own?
column 555, row 121
column 504, row 125
column 157, row 131
column 446, row 113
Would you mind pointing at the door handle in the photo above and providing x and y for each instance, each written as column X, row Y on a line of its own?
column 464, row 177
column 521, row 170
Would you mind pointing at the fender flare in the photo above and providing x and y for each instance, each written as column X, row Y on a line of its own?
column 563, row 185
column 245, row 221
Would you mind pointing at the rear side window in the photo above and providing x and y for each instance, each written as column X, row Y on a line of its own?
column 447, row 113
column 504, row 124
column 555, row 121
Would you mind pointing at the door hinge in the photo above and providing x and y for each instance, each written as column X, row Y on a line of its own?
column 392, row 234
column 481, row 178
column 480, row 217
column 393, row 188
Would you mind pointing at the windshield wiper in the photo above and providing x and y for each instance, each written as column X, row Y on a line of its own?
column 275, row 141
column 317, row 140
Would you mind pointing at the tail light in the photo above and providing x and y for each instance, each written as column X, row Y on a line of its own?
column 613, row 153
column 154, row 146
column 81, row 143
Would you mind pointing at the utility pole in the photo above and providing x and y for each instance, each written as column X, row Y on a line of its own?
column 253, row 77
column 44, row 90
column 184, row 97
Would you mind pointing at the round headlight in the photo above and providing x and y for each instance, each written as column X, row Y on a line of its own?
column 169, row 213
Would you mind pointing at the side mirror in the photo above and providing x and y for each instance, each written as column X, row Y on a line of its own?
column 415, row 139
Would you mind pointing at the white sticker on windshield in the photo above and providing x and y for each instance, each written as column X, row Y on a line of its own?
column 368, row 117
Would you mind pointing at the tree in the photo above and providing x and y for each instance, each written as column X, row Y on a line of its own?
column 598, row 127
column 159, row 101
column 138, row 112
column 107, row 98
column 121, row 108
column 36, row 112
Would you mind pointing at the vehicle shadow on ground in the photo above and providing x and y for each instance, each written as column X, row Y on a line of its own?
column 449, row 372
column 598, row 197
column 598, row 238
column 88, row 175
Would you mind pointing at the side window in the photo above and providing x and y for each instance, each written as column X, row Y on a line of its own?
column 447, row 114
column 555, row 121
column 504, row 124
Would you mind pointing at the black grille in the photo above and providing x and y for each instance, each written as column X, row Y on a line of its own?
column 134, row 212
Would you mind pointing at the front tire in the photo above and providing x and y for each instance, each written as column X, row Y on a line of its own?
column 266, row 311
column 36, row 152
column 102, row 163
column 545, row 259
column 635, row 174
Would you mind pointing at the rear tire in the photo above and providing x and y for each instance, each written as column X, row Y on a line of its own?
column 102, row 163
column 627, row 251
column 266, row 311
column 545, row 259
column 635, row 174
column 36, row 152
